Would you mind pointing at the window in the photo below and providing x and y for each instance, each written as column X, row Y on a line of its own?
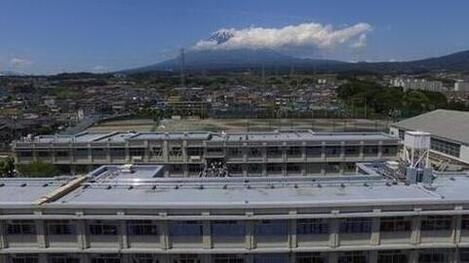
column 355, row 225
column 294, row 151
column 353, row 257
column 137, row 152
column 175, row 151
column 465, row 222
column 98, row 152
column 274, row 151
column 62, row 153
column 445, row 147
column 255, row 152
column 43, row 153
column 195, row 168
column 156, row 151
column 227, row 228
column 254, row 168
column 187, row 228
column 464, row 255
column 21, row 227
column 370, row 150
column 393, row 256
column 215, row 151
column 186, row 259
column 105, row 259
column 352, row 150
column 271, row 228
column 314, row 151
column 142, row 228
column 235, row 168
column 436, row 223
column 310, row 258
column 293, row 168
column 143, row 258
column 60, row 227
column 195, row 151
column 228, row 259
column 235, row 152
column 103, row 228
column 395, row 224
column 433, row 256
column 390, row 150
column 312, row 227
column 63, row 259
column 274, row 168
column 333, row 151
column 24, row 259
column 25, row 154
column 274, row 258
column 80, row 152
column 117, row 152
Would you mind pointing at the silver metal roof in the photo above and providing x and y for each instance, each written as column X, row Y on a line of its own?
column 452, row 125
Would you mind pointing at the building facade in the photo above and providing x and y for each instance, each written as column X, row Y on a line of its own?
column 186, row 154
column 135, row 215
column 449, row 135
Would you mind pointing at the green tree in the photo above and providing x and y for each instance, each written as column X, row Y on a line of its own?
column 7, row 167
column 38, row 169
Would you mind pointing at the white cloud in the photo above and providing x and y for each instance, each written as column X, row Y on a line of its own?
column 303, row 35
column 361, row 42
column 20, row 62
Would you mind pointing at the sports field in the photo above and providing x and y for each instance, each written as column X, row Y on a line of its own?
column 142, row 125
column 273, row 124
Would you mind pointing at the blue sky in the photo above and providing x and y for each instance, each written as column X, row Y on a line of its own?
column 51, row 36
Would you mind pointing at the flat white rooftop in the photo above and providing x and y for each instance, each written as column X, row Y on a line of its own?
column 142, row 187
column 121, row 137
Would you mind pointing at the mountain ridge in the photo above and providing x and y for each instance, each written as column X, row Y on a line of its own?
column 222, row 59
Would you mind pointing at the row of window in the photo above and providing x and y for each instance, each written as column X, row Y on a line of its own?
column 332, row 151
column 237, row 228
column 389, row 256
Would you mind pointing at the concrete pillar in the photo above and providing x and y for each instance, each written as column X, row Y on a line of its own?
column 413, row 256
column 42, row 258
column 415, row 236
column 373, row 256
column 164, row 235
column 250, row 239
column 206, row 258
column 333, row 257
column 127, row 153
column 292, row 237
column 207, row 232
column 164, row 259
column 82, row 238
column 375, row 229
column 123, row 237
column 40, row 231
column 3, row 242
column 334, row 233
column 457, row 221
column 380, row 150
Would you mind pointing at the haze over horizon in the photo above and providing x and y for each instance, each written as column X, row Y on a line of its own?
column 56, row 36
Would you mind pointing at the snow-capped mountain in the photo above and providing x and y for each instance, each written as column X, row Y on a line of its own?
column 221, row 36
